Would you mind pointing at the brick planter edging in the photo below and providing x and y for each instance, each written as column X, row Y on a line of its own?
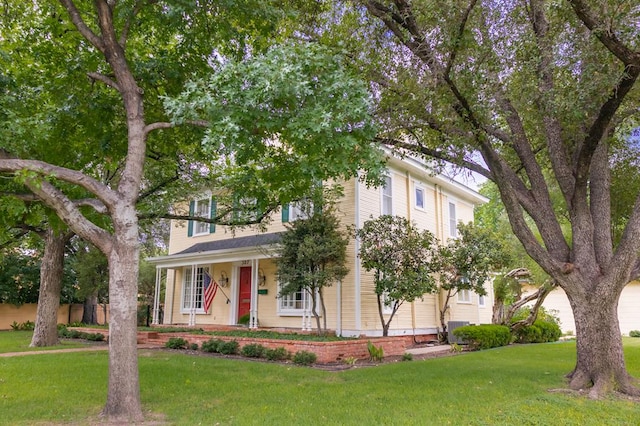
column 326, row 352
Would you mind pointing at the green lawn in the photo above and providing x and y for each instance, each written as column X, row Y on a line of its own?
column 18, row 341
column 504, row 386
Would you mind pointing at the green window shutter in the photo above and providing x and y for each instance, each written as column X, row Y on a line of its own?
column 212, row 226
column 285, row 213
column 192, row 207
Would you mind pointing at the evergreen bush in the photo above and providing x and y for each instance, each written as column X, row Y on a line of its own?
column 253, row 350
column 304, row 358
column 277, row 354
column 538, row 332
column 484, row 336
column 211, row 345
column 176, row 343
column 228, row 348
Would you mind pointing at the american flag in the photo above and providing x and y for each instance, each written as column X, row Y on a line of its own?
column 210, row 290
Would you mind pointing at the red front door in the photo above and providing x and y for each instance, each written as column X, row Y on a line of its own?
column 244, row 300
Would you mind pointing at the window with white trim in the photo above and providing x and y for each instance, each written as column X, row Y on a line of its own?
column 453, row 221
column 192, row 296
column 300, row 210
column 481, row 301
column 387, row 304
column 293, row 304
column 419, row 197
column 247, row 209
column 202, row 208
column 387, row 196
column 464, row 296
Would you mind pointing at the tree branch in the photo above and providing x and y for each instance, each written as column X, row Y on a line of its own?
column 440, row 155
column 103, row 78
column 461, row 28
column 102, row 192
column 79, row 23
column 127, row 25
column 70, row 215
column 628, row 56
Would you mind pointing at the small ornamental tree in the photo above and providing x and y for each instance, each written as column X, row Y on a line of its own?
column 312, row 256
column 465, row 263
column 400, row 256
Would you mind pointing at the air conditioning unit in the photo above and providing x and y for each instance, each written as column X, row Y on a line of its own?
column 452, row 325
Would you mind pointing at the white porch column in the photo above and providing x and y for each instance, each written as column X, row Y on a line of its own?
column 253, row 310
column 306, row 311
column 156, row 297
column 192, row 297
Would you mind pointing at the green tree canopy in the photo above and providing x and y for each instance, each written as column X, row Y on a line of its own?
column 312, row 255
column 400, row 255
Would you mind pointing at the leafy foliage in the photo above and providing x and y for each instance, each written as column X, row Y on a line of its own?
column 253, row 350
column 376, row 353
column 400, row 256
column 539, row 332
column 304, row 358
column 280, row 121
column 176, row 343
column 465, row 263
column 312, row 256
column 228, row 348
column 277, row 354
column 211, row 345
column 484, row 336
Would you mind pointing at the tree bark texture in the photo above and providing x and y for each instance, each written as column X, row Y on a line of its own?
column 123, row 397
column 45, row 332
column 89, row 309
column 600, row 362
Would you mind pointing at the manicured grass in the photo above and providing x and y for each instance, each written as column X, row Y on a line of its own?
column 503, row 386
column 18, row 341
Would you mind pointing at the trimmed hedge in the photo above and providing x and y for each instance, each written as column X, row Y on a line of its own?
column 538, row 332
column 484, row 336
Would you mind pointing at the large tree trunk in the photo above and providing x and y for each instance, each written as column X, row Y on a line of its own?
column 600, row 359
column 51, row 271
column 90, row 309
column 123, row 397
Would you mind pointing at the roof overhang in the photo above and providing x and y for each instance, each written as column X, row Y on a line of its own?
column 261, row 246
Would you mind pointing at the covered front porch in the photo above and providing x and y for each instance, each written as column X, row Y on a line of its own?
column 226, row 282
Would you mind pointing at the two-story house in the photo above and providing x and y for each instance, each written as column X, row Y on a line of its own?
column 242, row 265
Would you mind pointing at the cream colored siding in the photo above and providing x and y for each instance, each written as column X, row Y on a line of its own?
column 179, row 240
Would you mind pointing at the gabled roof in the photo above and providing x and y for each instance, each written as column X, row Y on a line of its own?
column 230, row 249
column 233, row 243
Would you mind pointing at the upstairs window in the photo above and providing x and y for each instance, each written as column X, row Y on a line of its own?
column 387, row 197
column 464, row 296
column 453, row 221
column 420, row 195
column 206, row 208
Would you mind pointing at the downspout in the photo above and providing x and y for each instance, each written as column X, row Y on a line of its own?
column 339, row 309
column 413, row 304
column 439, row 237
column 357, row 313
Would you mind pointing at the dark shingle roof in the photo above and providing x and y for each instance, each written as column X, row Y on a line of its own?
column 234, row 243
